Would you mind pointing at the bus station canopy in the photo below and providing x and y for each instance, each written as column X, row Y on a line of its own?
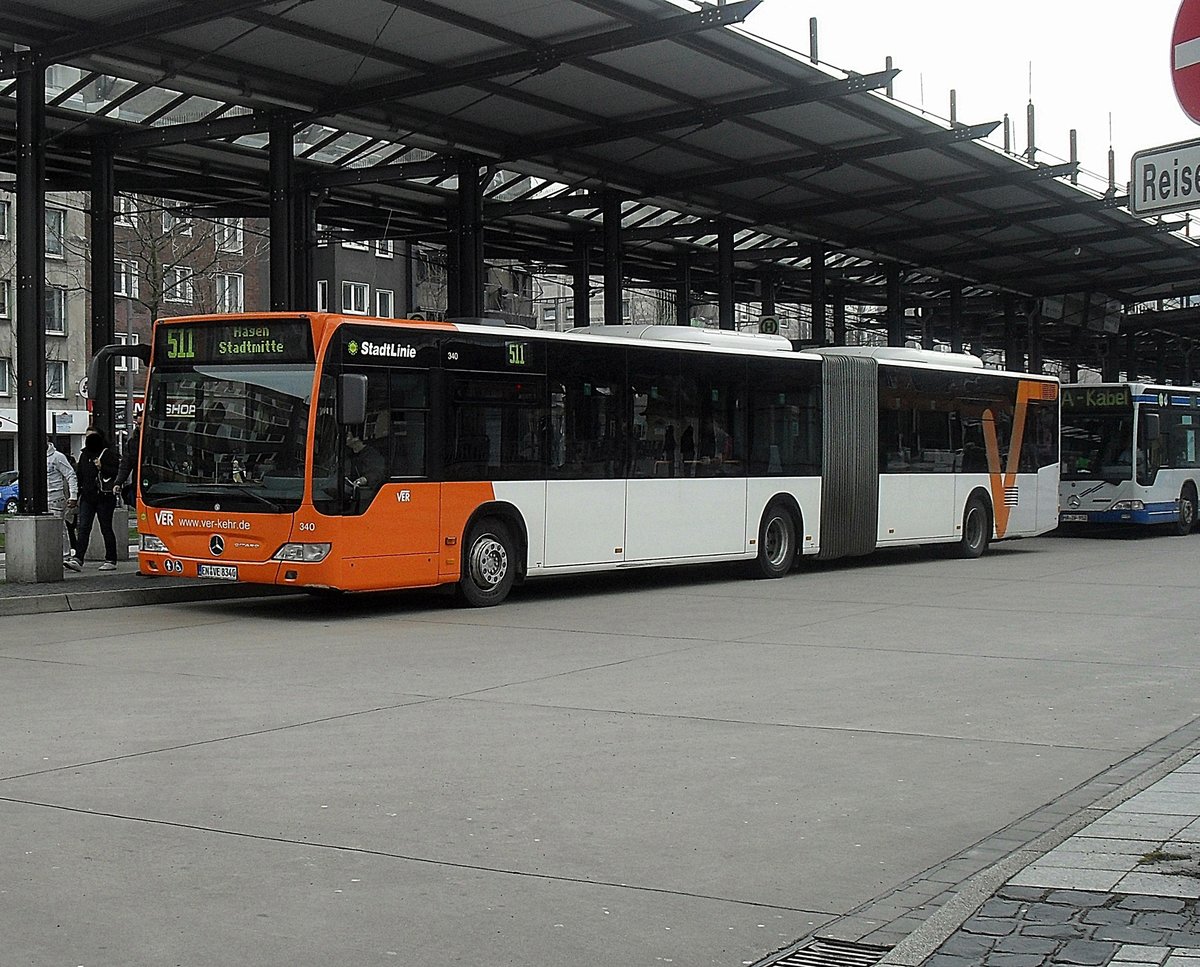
column 672, row 108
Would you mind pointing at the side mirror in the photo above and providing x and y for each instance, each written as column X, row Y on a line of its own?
column 1153, row 427
column 352, row 399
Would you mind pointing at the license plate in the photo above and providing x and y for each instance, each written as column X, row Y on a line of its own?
column 224, row 572
column 1073, row 518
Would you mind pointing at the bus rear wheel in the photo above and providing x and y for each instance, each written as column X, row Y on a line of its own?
column 976, row 530
column 1187, row 512
column 490, row 565
column 776, row 542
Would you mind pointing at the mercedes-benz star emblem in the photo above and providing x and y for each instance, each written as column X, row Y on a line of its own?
column 216, row 544
column 1073, row 501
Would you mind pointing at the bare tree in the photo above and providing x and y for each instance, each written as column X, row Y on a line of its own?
column 429, row 266
column 650, row 307
column 183, row 263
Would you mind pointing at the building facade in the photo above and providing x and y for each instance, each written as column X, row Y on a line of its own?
column 170, row 263
column 66, row 322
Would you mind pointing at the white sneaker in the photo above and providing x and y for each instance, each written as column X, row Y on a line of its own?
column 108, row 566
column 71, row 564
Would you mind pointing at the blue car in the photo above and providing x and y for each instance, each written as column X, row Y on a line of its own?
column 10, row 491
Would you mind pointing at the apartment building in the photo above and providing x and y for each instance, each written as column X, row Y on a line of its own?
column 170, row 263
column 66, row 322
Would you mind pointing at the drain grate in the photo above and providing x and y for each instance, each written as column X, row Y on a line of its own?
column 832, row 953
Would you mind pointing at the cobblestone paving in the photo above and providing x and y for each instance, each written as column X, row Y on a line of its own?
column 1028, row 927
column 1124, row 890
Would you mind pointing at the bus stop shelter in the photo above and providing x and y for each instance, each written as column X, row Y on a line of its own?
column 648, row 143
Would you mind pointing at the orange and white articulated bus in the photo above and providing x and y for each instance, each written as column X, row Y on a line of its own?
column 322, row 451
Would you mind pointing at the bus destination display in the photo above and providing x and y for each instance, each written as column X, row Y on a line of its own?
column 251, row 341
column 1096, row 398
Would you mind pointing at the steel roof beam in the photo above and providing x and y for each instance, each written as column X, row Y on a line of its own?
column 1059, row 242
column 1104, row 265
column 536, row 61
column 439, row 167
column 1008, row 219
column 561, row 204
column 230, row 127
column 154, row 21
column 928, row 192
column 826, row 159
column 654, row 233
column 704, row 117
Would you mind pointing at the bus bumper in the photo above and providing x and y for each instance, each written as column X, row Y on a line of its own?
column 1164, row 512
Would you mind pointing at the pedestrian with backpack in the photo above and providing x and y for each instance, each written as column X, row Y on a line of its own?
column 97, row 472
column 62, row 497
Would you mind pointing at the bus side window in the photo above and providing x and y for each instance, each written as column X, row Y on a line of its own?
column 587, row 418
column 1039, row 447
column 407, row 418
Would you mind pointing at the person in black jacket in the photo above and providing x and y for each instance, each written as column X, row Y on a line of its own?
column 127, row 474
column 97, row 472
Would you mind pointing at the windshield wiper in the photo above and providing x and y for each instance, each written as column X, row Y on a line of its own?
column 175, row 499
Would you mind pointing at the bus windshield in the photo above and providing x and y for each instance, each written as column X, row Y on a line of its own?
column 1097, row 446
column 228, row 434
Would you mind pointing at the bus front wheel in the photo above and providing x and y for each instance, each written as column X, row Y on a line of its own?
column 490, row 565
column 976, row 530
column 776, row 542
column 1187, row 512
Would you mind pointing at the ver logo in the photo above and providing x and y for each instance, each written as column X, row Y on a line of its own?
column 165, row 518
column 352, row 347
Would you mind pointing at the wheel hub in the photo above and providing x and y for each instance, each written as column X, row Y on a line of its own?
column 489, row 562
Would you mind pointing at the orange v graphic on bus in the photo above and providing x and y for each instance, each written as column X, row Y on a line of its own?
column 1003, row 480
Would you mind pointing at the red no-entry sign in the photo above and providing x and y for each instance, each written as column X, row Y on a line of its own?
column 1185, row 58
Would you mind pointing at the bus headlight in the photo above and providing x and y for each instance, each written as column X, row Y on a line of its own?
column 1128, row 505
column 308, row 553
column 153, row 544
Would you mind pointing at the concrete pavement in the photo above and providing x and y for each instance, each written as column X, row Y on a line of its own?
column 122, row 588
column 1104, row 872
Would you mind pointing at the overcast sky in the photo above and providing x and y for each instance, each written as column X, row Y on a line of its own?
column 1089, row 60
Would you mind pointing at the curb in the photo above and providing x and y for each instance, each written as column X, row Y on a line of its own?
column 131, row 598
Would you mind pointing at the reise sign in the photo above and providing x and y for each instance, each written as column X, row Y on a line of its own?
column 1185, row 58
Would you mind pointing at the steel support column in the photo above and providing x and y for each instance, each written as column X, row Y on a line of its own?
column 1076, row 353
column 1111, row 369
column 282, row 216
column 895, row 307
column 1014, row 358
column 467, row 269
column 956, row 319
column 581, row 289
column 768, row 293
column 1034, row 339
column 613, row 316
column 1132, row 370
column 839, row 316
column 820, row 332
column 304, row 243
column 725, row 313
column 31, row 282
column 104, row 316
column 683, row 289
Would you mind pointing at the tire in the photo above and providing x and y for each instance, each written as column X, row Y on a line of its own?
column 776, row 542
column 11, row 506
column 1187, row 511
column 489, row 566
column 976, row 530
